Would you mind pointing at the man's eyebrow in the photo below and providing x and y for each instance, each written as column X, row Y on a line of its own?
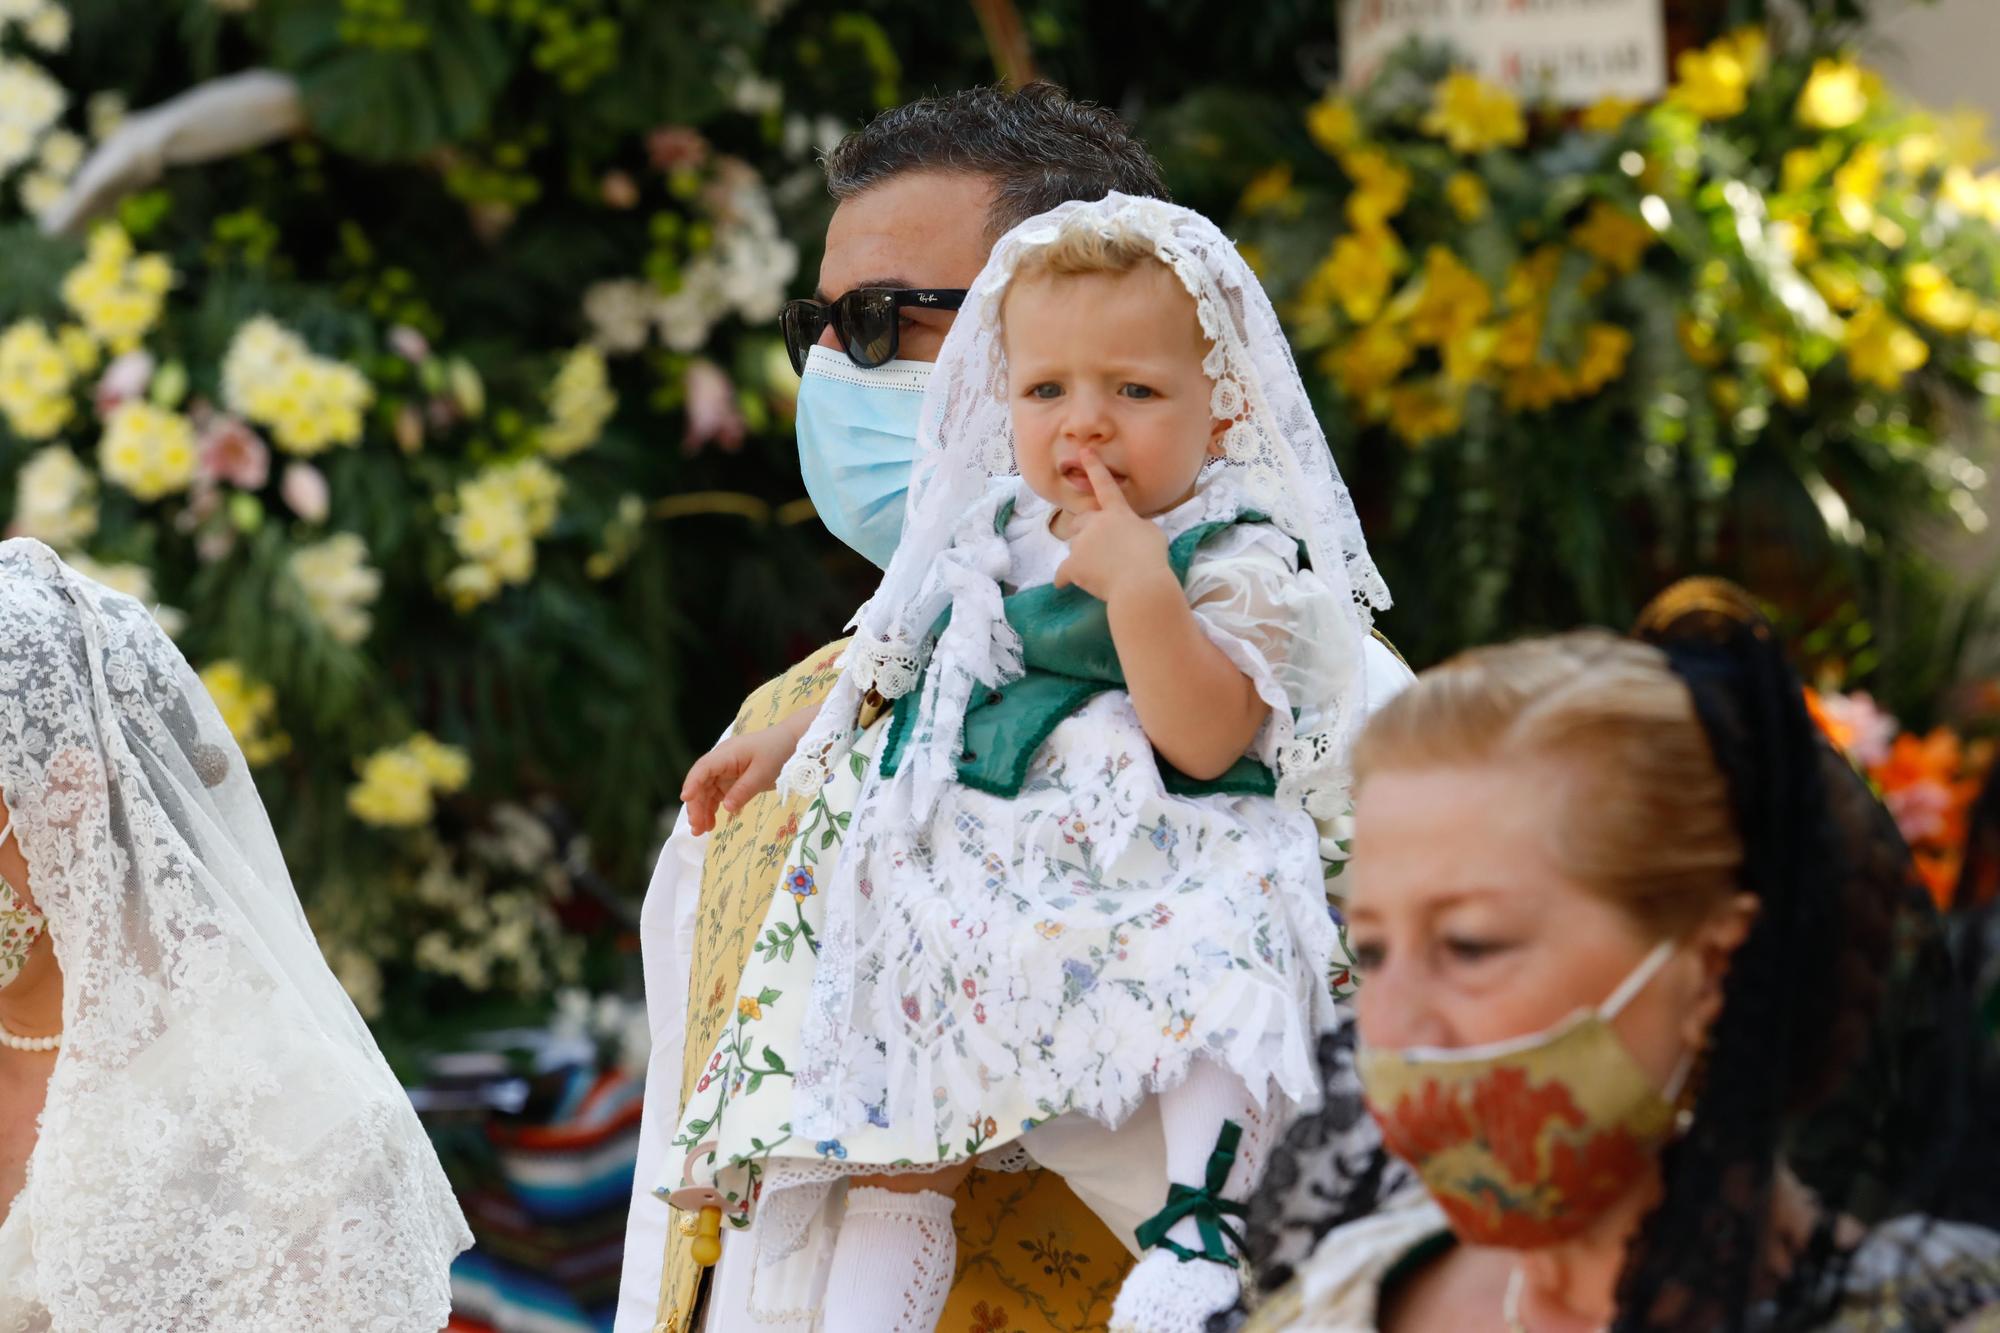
column 819, row 293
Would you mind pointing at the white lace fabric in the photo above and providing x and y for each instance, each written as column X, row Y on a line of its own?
column 223, row 1147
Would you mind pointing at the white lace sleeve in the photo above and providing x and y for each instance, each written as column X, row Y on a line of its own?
column 889, row 663
column 1291, row 634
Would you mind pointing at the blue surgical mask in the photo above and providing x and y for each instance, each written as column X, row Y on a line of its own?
column 857, row 434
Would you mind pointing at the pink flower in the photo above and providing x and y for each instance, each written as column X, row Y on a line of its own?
column 230, row 451
column 124, row 379
column 409, row 344
column 618, row 190
column 712, row 413
column 1866, row 729
column 1921, row 808
column 304, row 490
column 673, row 146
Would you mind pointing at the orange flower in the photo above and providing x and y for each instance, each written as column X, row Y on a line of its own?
column 1836, row 731
column 1514, row 1116
column 1591, row 1176
column 1939, row 870
column 1926, row 784
column 1424, row 1123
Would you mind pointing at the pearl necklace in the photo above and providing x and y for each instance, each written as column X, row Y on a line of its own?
column 1510, row 1307
column 14, row 1041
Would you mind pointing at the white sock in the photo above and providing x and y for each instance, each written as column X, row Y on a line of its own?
column 893, row 1263
column 1191, row 1116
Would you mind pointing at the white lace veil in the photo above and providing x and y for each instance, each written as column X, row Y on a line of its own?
column 965, row 440
column 223, row 1147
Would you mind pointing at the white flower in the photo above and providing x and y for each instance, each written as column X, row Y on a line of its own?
column 49, row 28
column 17, row 145
column 103, row 113
column 754, row 96
column 124, row 379
column 62, row 153
column 41, row 192
column 28, row 96
column 686, row 317
column 339, row 585
column 618, row 312
column 259, row 352
column 135, row 581
column 55, row 499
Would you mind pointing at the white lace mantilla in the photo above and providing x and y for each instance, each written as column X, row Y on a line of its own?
column 223, row 1147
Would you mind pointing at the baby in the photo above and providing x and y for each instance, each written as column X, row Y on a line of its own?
column 1074, row 874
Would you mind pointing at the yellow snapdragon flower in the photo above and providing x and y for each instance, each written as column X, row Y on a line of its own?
column 1611, row 234
column 1473, row 115
column 399, row 784
column 1371, row 360
column 1466, row 194
column 1936, row 300
column 1607, row 115
column 1358, row 272
column 1714, row 82
column 1881, row 349
column 1835, row 95
column 1451, row 300
column 1332, row 123
column 1421, row 412
column 1381, row 187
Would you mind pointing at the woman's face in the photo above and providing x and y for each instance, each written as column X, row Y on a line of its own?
column 1467, row 931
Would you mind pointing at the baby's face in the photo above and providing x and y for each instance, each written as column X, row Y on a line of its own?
column 1109, row 362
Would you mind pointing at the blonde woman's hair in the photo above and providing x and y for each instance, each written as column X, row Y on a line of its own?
column 1645, row 816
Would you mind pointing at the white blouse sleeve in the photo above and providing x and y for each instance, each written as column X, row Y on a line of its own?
column 1282, row 626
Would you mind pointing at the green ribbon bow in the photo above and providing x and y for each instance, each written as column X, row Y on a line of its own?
column 1206, row 1205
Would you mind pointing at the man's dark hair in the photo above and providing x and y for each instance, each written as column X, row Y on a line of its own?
column 1040, row 147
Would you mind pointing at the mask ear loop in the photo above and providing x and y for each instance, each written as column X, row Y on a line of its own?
column 1681, row 1080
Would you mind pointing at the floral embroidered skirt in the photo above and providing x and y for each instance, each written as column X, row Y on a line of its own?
column 1110, row 993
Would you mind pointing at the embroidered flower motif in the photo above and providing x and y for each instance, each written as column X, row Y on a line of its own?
column 799, row 879
column 747, row 1007
column 912, row 1010
column 969, row 987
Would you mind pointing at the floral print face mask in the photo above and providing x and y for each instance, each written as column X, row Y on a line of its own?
column 20, row 924
column 1525, row 1142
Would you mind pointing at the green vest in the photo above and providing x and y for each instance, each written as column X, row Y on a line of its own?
column 1069, row 659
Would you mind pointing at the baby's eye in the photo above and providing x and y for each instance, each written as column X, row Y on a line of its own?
column 1135, row 391
column 1367, row 957
column 1474, row 950
column 1045, row 390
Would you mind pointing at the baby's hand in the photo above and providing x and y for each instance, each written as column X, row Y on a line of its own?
column 732, row 773
column 1114, row 550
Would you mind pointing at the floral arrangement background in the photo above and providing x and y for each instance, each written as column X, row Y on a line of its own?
column 450, row 432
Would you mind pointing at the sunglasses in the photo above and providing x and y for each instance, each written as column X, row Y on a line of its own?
column 868, row 321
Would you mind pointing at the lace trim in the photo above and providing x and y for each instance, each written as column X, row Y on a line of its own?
column 795, row 1189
